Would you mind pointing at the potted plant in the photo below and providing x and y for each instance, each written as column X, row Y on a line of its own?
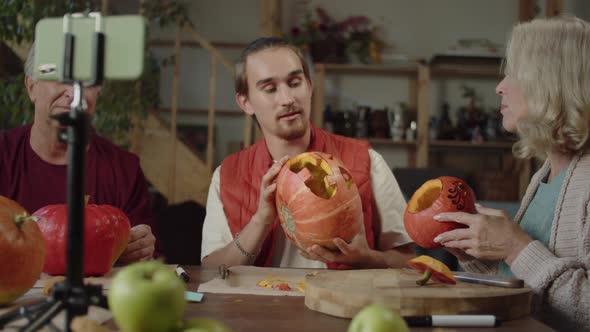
column 327, row 40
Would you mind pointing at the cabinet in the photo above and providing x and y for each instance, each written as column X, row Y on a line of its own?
column 510, row 174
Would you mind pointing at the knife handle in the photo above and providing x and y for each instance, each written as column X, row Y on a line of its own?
column 489, row 279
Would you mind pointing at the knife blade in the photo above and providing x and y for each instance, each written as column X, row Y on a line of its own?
column 489, row 279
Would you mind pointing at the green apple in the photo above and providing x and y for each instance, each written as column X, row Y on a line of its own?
column 147, row 297
column 204, row 325
column 377, row 318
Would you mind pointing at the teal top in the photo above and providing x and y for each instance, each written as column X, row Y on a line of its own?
column 538, row 217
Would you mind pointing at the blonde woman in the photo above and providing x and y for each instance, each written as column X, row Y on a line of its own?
column 546, row 101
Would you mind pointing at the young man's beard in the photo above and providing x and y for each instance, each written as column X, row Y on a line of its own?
column 294, row 131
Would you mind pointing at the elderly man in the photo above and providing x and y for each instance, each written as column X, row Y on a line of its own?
column 33, row 164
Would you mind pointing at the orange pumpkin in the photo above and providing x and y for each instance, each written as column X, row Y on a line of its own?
column 317, row 201
column 443, row 194
column 22, row 251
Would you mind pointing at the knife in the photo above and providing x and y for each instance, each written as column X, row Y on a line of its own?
column 489, row 279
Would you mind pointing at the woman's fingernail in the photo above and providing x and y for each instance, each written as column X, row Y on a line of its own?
column 437, row 217
column 437, row 239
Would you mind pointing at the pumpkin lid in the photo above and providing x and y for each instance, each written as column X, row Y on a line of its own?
column 432, row 268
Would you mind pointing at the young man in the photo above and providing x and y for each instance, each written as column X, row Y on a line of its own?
column 33, row 165
column 274, row 85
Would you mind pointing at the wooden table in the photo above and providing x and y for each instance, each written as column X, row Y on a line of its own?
column 288, row 313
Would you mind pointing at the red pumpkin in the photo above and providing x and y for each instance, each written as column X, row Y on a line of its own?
column 106, row 233
column 317, row 201
column 22, row 251
column 443, row 194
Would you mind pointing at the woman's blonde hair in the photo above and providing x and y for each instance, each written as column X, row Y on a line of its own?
column 550, row 61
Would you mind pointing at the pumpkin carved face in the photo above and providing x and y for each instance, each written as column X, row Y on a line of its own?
column 317, row 201
column 106, row 233
column 443, row 194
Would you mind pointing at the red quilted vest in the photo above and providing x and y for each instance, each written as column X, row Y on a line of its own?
column 241, row 174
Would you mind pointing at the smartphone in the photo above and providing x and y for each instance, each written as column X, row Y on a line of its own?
column 124, row 47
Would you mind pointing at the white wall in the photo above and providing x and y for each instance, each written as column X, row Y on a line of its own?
column 415, row 28
column 580, row 8
column 421, row 27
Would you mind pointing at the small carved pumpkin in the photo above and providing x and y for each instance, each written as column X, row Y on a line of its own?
column 443, row 194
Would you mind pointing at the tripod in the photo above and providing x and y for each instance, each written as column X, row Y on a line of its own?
column 71, row 295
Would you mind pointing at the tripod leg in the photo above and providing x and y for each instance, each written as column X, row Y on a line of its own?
column 23, row 312
column 45, row 318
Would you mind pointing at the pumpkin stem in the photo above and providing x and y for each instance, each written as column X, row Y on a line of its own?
column 20, row 218
column 424, row 279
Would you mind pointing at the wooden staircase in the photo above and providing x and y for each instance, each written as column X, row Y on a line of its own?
column 170, row 165
column 151, row 142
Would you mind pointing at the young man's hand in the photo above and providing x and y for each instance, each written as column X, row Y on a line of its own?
column 267, row 211
column 356, row 253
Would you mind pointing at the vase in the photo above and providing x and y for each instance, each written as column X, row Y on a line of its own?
column 328, row 50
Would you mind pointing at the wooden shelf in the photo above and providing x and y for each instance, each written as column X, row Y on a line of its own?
column 440, row 70
column 449, row 66
column 465, row 71
column 405, row 69
column 506, row 145
column 194, row 44
column 201, row 111
column 389, row 141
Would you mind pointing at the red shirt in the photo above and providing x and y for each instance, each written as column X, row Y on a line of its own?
column 113, row 177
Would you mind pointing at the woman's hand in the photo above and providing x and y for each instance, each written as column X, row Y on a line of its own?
column 490, row 235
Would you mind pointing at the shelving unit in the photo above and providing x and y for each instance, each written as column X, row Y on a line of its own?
column 416, row 72
column 507, row 145
column 420, row 75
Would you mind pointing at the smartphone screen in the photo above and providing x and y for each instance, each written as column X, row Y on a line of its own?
column 124, row 47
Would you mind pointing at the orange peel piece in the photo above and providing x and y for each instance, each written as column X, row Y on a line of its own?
column 432, row 268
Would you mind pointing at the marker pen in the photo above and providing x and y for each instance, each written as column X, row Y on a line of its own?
column 453, row 321
column 182, row 273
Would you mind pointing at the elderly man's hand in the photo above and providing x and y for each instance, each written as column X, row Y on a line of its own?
column 141, row 246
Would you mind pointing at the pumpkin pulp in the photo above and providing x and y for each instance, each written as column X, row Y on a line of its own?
column 316, row 174
column 425, row 196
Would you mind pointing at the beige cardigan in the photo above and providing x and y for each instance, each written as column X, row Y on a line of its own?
column 559, row 274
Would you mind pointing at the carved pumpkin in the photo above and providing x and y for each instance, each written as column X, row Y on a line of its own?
column 106, row 233
column 443, row 194
column 317, row 201
column 22, row 251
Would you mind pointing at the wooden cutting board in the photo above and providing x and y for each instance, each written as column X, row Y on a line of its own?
column 344, row 293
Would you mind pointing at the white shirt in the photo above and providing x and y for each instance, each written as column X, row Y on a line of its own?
column 388, row 198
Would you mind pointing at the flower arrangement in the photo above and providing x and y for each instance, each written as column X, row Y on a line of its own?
column 334, row 41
